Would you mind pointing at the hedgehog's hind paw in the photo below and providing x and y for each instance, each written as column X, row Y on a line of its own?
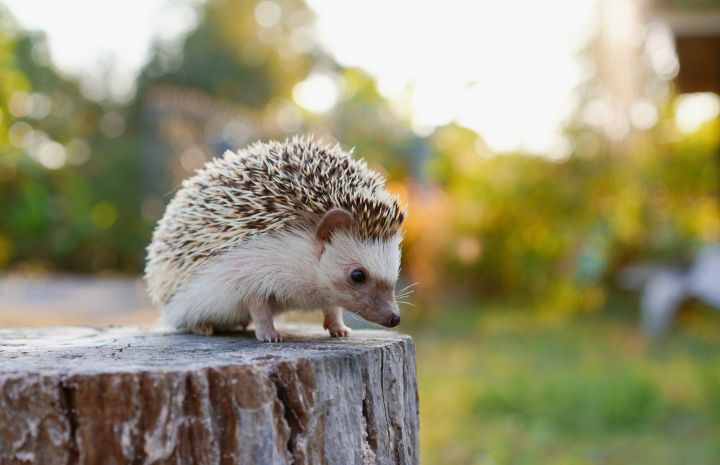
column 203, row 329
column 267, row 335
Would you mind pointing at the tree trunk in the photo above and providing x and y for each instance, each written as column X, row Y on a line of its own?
column 144, row 396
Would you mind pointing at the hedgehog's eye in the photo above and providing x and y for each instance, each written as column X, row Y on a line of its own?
column 358, row 275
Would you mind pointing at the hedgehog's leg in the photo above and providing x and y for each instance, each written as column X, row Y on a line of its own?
column 334, row 323
column 203, row 329
column 243, row 320
column 262, row 318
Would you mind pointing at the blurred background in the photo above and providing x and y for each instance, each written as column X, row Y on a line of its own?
column 560, row 160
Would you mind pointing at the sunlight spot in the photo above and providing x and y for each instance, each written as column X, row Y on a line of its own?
column 318, row 93
column 78, row 152
column 660, row 48
column 643, row 114
column 19, row 132
column 303, row 39
column 693, row 110
column 596, row 113
column 51, row 155
column 19, row 104
column 192, row 159
column 560, row 150
column 267, row 13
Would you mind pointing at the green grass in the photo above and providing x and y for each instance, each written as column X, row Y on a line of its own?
column 502, row 387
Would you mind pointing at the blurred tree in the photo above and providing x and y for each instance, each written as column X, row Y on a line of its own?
column 63, row 189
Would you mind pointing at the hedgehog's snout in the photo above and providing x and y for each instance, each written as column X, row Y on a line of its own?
column 392, row 321
column 381, row 311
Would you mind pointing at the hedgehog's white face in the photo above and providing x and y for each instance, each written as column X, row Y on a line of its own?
column 360, row 274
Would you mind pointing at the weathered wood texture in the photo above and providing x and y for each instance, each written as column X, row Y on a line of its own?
column 142, row 396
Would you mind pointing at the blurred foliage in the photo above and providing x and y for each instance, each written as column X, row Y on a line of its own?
column 82, row 182
column 559, row 231
column 64, row 195
column 508, row 387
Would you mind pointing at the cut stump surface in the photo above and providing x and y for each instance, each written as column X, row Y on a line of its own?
column 77, row 395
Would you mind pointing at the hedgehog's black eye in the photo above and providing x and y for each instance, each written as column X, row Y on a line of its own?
column 358, row 275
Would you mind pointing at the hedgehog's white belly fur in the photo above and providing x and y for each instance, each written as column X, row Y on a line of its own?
column 266, row 265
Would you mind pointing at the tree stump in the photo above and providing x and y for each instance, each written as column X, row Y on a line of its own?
column 80, row 395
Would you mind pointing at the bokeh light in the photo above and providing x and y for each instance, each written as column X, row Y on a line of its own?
column 318, row 93
column 692, row 110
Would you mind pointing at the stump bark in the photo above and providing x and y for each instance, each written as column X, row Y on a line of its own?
column 74, row 395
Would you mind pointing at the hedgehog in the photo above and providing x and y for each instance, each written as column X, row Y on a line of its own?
column 274, row 227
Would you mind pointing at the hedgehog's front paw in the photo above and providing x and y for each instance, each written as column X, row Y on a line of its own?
column 204, row 329
column 338, row 330
column 267, row 335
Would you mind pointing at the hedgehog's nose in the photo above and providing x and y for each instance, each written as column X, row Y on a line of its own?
column 393, row 321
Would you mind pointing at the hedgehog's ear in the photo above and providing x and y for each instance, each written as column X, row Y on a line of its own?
column 336, row 219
